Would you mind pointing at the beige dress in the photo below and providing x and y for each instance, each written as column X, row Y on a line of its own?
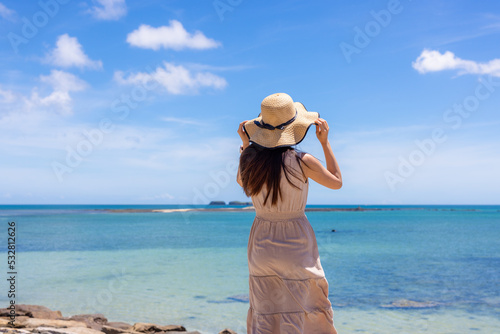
column 288, row 290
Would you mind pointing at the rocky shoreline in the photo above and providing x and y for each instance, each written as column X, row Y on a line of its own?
column 37, row 319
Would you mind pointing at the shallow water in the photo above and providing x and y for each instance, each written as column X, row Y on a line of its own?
column 191, row 269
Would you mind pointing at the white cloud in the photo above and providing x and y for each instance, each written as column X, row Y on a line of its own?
column 434, row 61
column 6, row 13
column 175, row 79
column 173, row 37
column 63, row 81
column 109, row 9
column 181, row 120
column 6, row 96
column 68, row 52
column 52, row 98
column 60, row 100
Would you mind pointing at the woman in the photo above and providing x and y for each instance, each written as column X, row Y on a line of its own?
column 288, row 288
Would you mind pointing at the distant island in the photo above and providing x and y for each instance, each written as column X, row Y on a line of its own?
column 230, row 203
column 217, row 203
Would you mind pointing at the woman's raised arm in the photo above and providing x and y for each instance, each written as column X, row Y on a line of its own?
column 330, row 176
column 246, row 142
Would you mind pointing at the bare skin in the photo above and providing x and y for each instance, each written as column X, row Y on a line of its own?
column 243, row 136
column 330, row 176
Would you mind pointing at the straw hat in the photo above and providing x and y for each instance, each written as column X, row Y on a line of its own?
column 281, row 122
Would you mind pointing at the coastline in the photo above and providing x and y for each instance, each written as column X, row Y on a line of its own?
column 400, row 318
column 38, row 319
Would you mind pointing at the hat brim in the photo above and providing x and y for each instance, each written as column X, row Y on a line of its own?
column 292, row 134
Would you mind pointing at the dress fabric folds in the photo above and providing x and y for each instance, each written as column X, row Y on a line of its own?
column 288, row 291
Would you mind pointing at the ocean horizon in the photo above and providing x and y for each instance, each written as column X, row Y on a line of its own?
column 400, row 269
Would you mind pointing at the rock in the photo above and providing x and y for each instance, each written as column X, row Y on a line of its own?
column 152, row 328
column 5, row 312
column 245, row 298
column 34, row 323
column 17, row 322
column 94, row 321
column 405, row 303
column 227, row 331
column 68, row 330
column 38, row 311
column 14, row 331
column 114, row 330
column 173, row 328
column 48, row 330
column 120, row 325
column 97, row 318
column 32, row 311
column 107, row 329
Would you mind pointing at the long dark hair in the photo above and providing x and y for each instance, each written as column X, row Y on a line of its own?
column 260, row 165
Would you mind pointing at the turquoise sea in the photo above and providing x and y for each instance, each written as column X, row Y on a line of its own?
column 190, row 268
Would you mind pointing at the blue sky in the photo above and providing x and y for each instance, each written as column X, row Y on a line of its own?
column 138, row 102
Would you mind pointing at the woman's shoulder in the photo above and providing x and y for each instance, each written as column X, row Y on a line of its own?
column 307, row 160
column 301, row 154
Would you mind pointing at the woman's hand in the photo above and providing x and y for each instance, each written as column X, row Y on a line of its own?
column 322, row 130
column 243, row 135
